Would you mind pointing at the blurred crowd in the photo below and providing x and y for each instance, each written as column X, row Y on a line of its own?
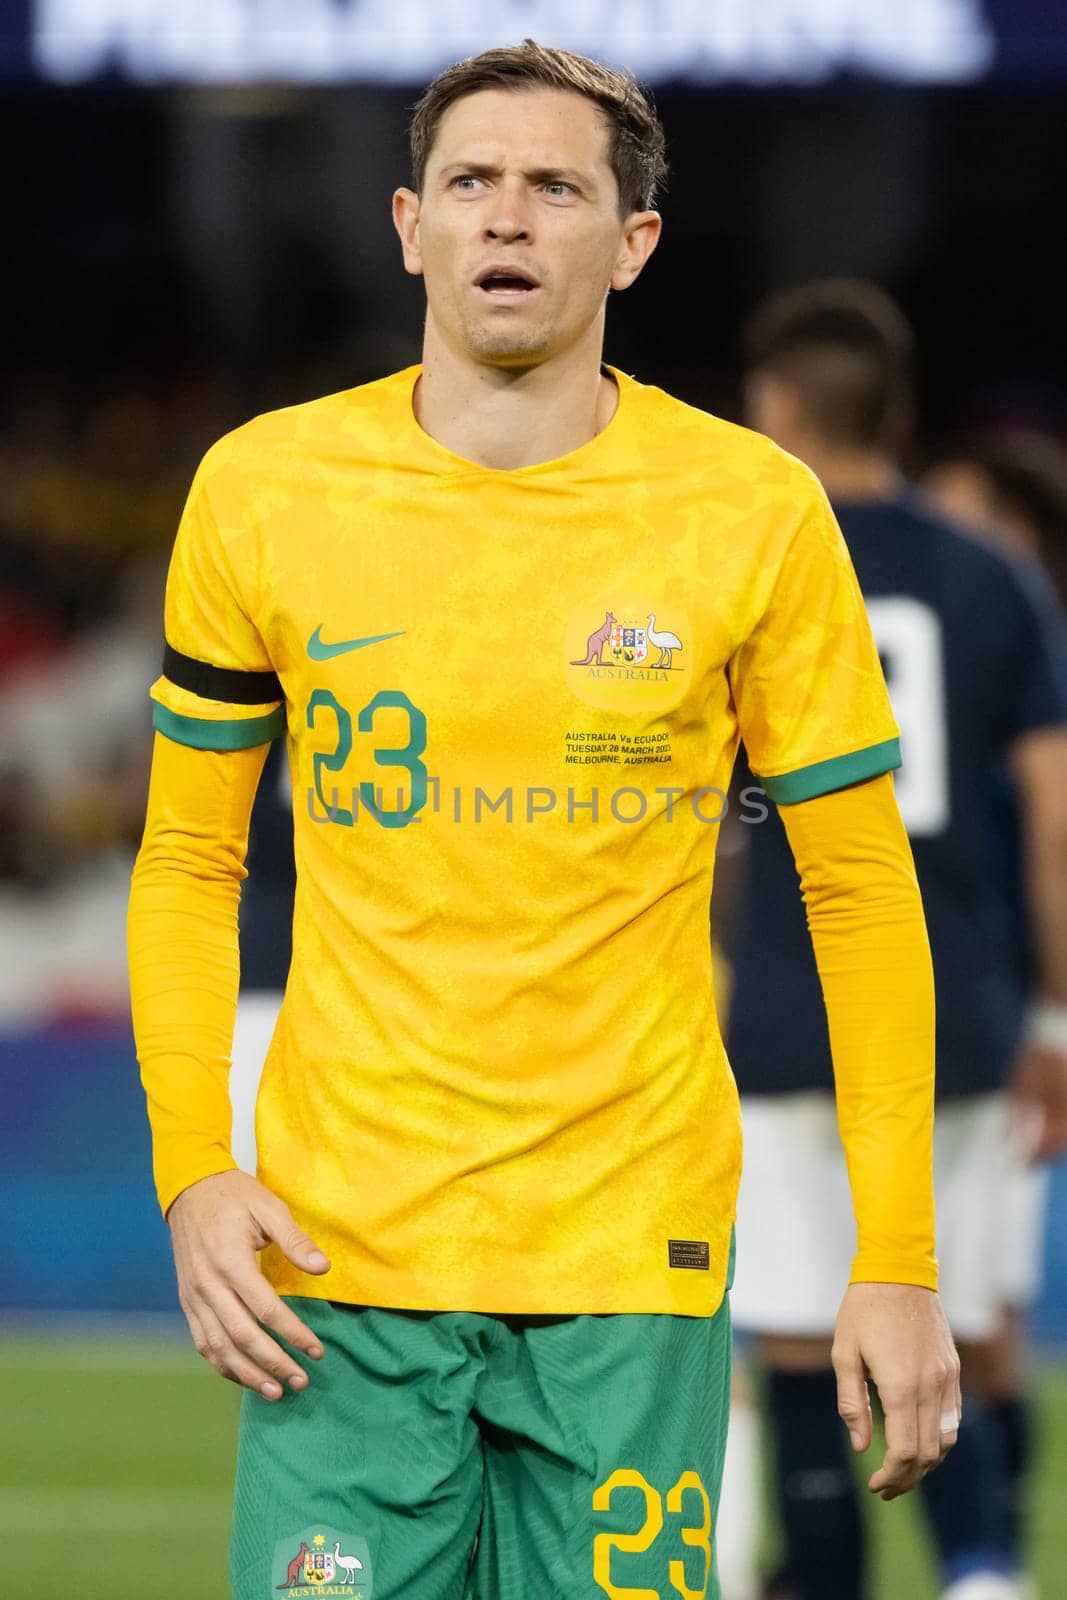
column 91, row 487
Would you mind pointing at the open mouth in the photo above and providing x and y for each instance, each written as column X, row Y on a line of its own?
column 505, row 283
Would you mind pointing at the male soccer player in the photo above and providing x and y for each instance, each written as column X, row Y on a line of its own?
column 512, row 609
column 968, row 642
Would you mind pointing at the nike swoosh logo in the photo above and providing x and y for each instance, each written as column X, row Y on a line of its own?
column 318, row 650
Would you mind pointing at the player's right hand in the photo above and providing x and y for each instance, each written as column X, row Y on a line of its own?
column 216, row 1228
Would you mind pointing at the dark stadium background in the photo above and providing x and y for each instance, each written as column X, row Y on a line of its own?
column 115, row 198
column 178, row 257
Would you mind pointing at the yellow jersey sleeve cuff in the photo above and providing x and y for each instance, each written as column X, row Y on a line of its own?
column 921, row 1274
column 839, row 772
column 176, row 1171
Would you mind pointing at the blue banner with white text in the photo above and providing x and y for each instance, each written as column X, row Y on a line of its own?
column 803, row 42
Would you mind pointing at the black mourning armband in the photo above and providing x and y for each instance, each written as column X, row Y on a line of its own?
column 227, row 684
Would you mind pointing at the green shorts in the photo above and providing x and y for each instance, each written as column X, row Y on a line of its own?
column 457, row 1456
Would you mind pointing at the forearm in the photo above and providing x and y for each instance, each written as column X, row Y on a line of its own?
column 1045, row 854
column 1048, row 916
column 183, row 953
column 869, row 935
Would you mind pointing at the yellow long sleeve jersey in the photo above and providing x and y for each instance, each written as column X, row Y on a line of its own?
column 512, row 701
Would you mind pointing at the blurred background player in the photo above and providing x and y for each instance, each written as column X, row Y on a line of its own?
column 969, row 642
column 1010, row 488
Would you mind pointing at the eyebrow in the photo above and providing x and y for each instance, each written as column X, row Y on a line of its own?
column 484, row 169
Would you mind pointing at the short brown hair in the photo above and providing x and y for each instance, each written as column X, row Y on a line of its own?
column 637, row 147
column 849, row 351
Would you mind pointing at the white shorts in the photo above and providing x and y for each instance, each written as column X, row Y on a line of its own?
column 796, row 1235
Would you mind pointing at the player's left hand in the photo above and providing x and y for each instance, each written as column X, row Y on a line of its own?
column 897, row 1335
column 1039, row 1090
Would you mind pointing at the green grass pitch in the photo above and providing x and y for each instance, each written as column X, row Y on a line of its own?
column 116, row 1461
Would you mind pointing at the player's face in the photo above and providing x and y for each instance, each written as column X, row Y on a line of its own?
column 517, row 231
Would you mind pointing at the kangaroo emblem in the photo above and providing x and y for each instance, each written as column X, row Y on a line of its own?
column 293, row 1571
column 595, row 643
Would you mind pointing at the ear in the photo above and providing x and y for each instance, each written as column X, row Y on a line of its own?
column 641, row 233
column 406, row 223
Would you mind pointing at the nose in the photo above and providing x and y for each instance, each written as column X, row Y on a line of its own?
column 508, row 234
column 509, row 222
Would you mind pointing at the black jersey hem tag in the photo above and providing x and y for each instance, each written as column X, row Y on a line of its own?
column 691, row 1253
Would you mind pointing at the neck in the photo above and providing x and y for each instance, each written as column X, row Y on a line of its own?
column 505, row 417
column 851, row 474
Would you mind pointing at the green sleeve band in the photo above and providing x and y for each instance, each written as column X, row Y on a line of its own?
column 240, row 734
column 840, row 772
